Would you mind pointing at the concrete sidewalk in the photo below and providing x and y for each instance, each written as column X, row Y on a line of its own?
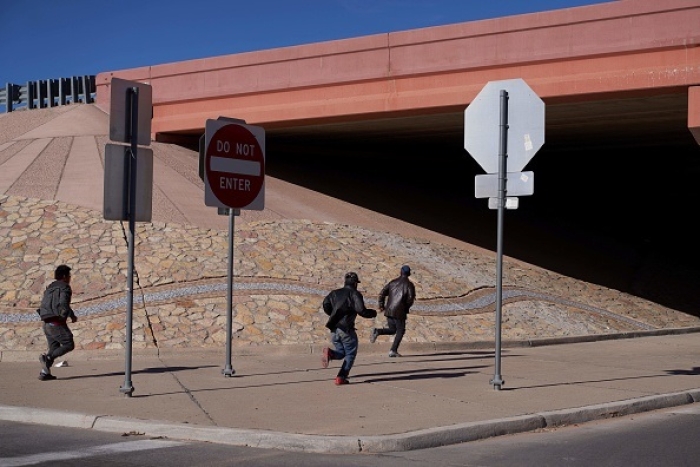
column 429, row 397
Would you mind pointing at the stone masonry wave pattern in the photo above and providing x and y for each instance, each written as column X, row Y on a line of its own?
column 282, row 270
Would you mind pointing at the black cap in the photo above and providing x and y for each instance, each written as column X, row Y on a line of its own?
column 405, row 270
column 351, row 278
column 61, row 272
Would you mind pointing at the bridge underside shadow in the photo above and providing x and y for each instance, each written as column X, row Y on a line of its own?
column 617, row 215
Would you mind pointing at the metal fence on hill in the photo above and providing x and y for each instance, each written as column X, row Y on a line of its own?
column 48, row 93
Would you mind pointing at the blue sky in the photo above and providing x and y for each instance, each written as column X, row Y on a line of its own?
column 48, row 39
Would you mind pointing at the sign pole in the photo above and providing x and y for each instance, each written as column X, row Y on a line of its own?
column 232, row 166
column 128, row 181
column 228, row 369
column 502, row 111
column 128, row 387
column 497, row 380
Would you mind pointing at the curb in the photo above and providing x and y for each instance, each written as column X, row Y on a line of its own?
column 420, row 439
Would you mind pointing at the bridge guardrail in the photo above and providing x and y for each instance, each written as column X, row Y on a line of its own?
column 48, row 93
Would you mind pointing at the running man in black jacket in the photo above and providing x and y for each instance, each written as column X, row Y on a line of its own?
column 342, row 307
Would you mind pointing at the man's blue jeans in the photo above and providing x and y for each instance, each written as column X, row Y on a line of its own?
column 345, row 348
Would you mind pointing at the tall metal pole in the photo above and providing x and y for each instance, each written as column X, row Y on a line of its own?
column 228, row 369
column 128, row 387
column 497, row 381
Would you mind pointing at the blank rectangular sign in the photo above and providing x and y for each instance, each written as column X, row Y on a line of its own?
column 120, row 111
column 116, row 183
column 517, row 184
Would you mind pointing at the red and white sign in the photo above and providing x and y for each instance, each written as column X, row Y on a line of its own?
column 234, row 165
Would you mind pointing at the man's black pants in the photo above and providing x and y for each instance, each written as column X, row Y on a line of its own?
column 395, row 327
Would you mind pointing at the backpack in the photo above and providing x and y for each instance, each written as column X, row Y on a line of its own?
column 47, row 310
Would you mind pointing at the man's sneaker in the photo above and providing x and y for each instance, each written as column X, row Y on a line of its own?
column 339, row 381
column 326, row 357
column 373, row 336
column 393, row 354
column 45, row 364
column 46, row 376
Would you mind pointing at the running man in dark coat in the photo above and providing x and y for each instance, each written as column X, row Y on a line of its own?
column 395, row 300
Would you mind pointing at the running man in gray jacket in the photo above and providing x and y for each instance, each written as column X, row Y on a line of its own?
column 55, row 311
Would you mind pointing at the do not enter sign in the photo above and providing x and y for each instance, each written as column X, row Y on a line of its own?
column 234, row 165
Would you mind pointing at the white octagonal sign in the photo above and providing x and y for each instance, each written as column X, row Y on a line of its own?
column 482, row 120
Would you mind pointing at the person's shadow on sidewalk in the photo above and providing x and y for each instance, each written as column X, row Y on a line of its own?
column 445, row 357
column 150, row 371
column 414, row 375
column 692, row 372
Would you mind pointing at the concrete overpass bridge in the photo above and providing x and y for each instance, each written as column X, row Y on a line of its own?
column 622, row 69
column 378, row 121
